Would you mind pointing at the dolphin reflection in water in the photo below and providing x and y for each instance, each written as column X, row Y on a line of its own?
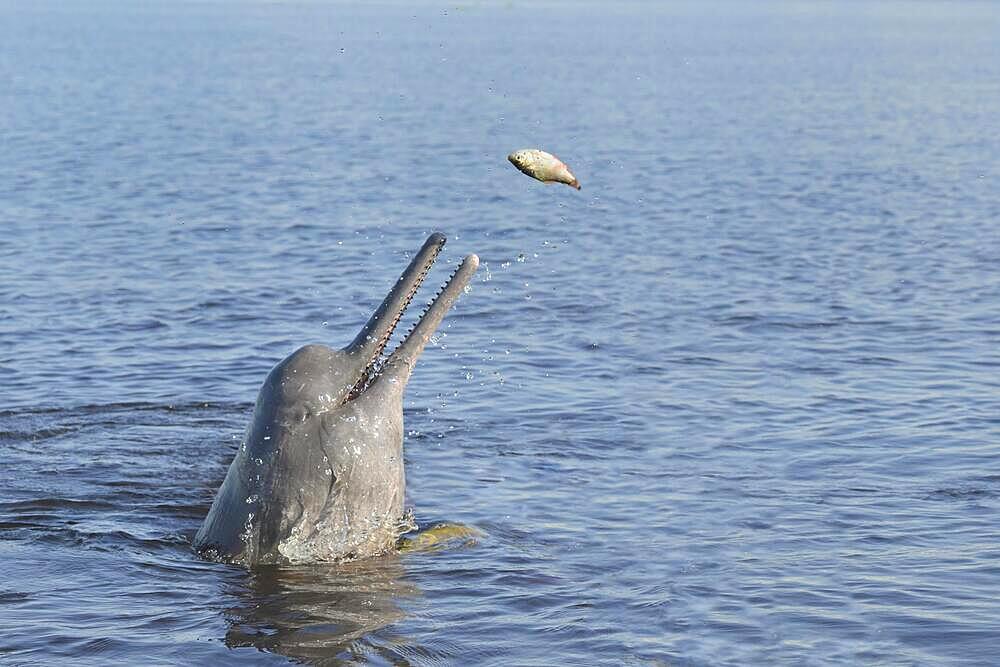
column 320, row 475
column 335, row 613
column 327, row 613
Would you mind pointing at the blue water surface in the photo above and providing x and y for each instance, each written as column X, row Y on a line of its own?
column 736, row 402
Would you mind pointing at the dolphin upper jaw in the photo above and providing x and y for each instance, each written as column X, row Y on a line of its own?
column 320, row 475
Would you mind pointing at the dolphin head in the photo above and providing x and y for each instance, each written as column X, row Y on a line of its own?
column 320, row 474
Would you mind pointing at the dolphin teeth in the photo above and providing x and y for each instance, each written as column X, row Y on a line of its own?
column 375, row 368
column 371, row 371
column 430, row 303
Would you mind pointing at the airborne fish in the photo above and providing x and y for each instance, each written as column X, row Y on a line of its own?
column 543, row 166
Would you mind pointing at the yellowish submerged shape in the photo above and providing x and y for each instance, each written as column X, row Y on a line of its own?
column 441, row 536
column 543, row 166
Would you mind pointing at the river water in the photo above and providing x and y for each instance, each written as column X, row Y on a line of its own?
column 736, row 402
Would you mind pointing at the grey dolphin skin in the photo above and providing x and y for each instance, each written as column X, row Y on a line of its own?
column 320, row 475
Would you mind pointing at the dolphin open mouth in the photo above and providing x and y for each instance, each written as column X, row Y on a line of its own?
column 370, row 344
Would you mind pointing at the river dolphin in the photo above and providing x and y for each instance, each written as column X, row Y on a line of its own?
column 320, row 475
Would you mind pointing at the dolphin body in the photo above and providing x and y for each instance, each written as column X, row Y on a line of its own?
column 320, row 474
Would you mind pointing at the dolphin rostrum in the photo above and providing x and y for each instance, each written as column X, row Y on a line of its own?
column 320, row 475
